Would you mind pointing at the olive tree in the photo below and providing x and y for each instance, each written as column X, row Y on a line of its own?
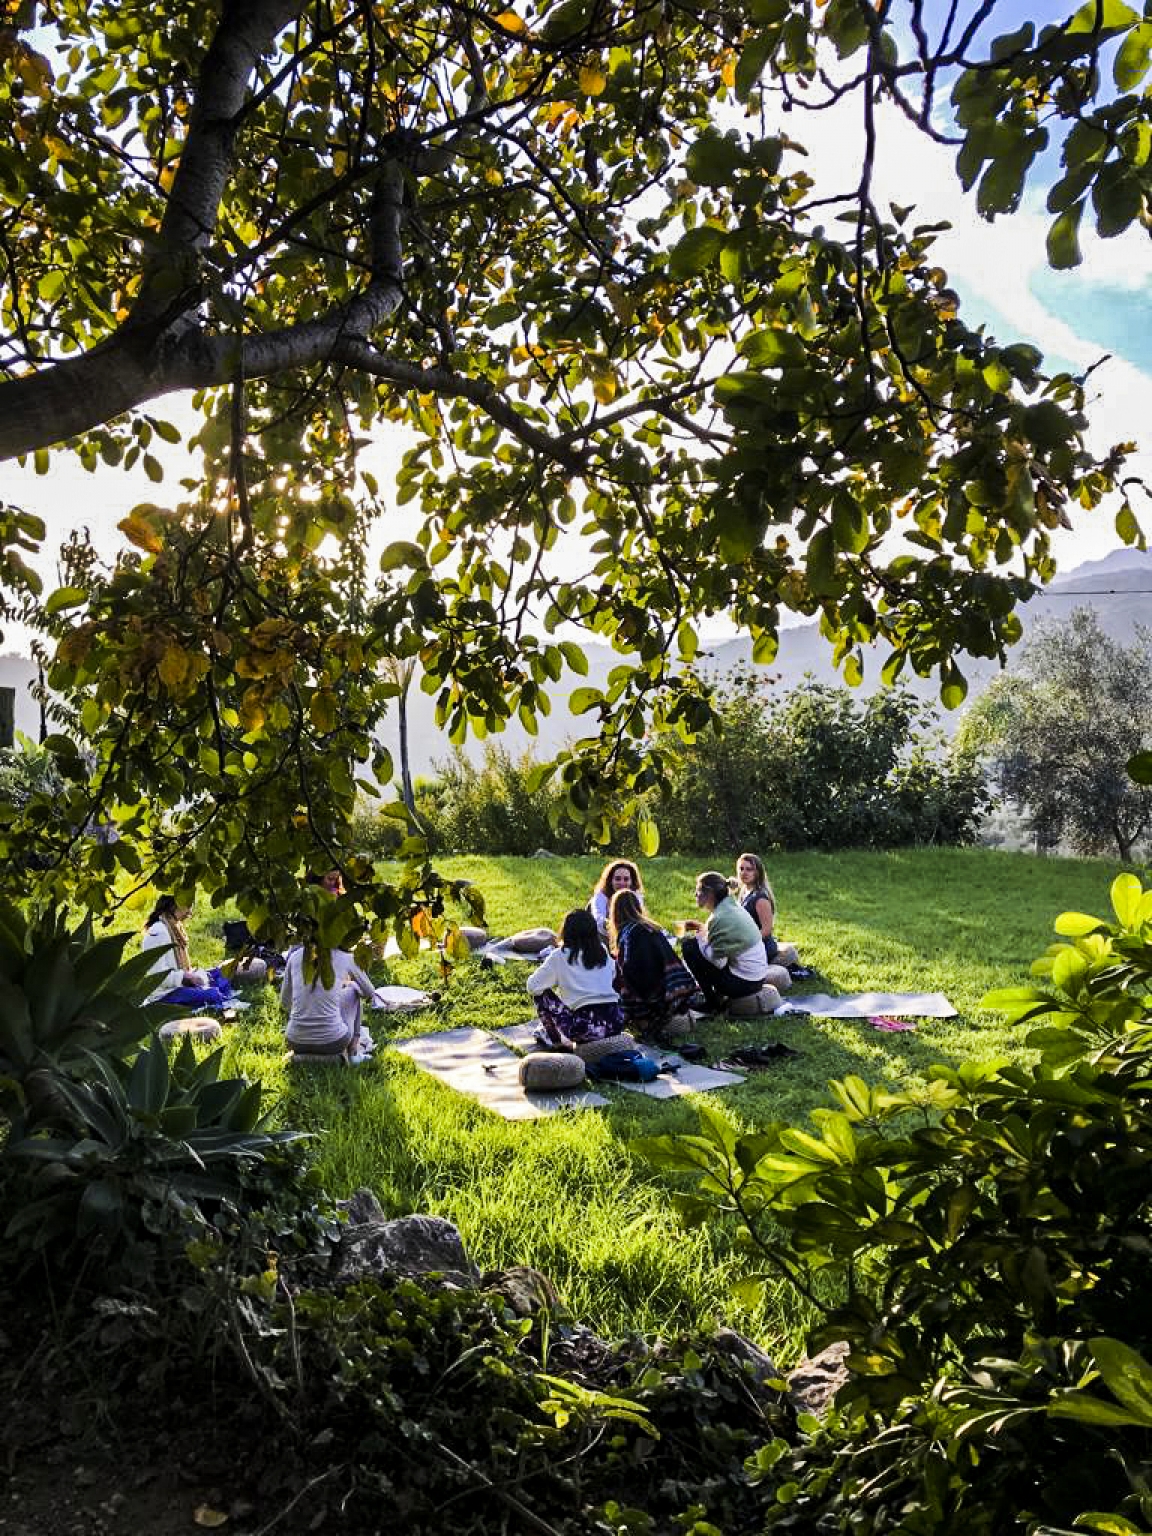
column 1060, row 728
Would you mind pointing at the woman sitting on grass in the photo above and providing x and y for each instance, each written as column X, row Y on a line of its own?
column 651, row 979
column 726, row 954
column 619, row 875
column 758, row 900
column 324, row 1021
column 573, row 989
column 179, row 983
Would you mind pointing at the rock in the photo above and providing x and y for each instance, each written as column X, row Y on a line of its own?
column 409, row 1247
column 815, row 1382
column 363, row 1207
column 525, row 1290
column 761, row 1367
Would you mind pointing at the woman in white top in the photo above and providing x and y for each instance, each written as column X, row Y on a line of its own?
column 574, row 989
column 324, row 1021
column 177, row 982
column 619, row 875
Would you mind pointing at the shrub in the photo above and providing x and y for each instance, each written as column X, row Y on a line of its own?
column 990, row 1235
column 488, row 808
column 817, row 768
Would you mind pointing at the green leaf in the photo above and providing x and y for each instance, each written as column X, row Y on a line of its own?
column 1077, row 925
column 1101, row 17
column 1126, row 1374
column 1126, row 893
column 695, row 251
column 65, row 597
column 648, row 836
column 1132, row 58
column 1139, row 768
column 583, row 699
column 1063, row 243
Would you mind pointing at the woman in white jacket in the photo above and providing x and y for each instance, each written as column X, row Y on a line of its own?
column 574, row 989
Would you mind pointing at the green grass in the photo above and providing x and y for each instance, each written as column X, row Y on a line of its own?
column 563, row 1193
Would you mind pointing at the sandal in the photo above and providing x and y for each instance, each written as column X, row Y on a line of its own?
column 756, row 1058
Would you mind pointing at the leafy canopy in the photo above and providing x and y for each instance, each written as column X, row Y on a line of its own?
column 573, row 249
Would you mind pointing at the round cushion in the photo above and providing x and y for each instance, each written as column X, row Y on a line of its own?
column 551, row 1069
column 678, row 1027
column 592, row 1050
column 477, row 937
column 779, row 977
column 252, row 969
column 199, row 1029
column 530, row 941
column 767, row 1000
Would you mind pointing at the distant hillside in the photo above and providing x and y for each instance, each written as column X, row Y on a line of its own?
column 1118, row 587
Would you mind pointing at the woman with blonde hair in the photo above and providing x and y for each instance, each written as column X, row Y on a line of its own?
column 617, row 875
column 758, row 900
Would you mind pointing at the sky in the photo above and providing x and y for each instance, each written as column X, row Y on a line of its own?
column 999, row 270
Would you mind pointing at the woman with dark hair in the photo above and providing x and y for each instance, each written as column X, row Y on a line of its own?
column 651, row 979
column 322, row 1020
column 617, row 875
column 178, row 983
column 759, row 901
column 725, row 954
column 573, row 989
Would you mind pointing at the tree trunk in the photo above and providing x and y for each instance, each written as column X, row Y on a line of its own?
column 405, row 773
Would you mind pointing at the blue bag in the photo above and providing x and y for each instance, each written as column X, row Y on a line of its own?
column 624, row 1067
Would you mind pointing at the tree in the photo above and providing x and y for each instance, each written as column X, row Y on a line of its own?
column 1062, row 725
column 573, row 248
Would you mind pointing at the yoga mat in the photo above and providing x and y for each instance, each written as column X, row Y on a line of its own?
column 861, row 1005
column 691, row 1078
column 477, row 1064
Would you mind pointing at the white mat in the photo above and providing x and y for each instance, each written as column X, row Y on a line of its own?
column 861, row 1005
column 401, row 999
column 477, row 1064
column 500, row 951
column 691, row 1077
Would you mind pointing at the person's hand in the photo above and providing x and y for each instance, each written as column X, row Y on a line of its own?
column 692, row 925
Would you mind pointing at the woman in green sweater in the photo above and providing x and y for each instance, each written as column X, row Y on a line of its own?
column 725, row 953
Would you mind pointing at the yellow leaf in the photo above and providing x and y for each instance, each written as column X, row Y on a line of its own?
column 728, row 73
column 592, row 80
column 604, row 386
column 204, row 1514
column 141, row 533
column 510, row 22
column 168, row 175
column 323, row 711
column 173, row 666
column 251, row 710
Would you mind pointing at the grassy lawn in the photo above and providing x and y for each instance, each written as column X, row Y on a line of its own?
column 563, row 1193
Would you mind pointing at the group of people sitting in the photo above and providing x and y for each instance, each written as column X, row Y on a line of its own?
column 613, row 969
column 322, row 1020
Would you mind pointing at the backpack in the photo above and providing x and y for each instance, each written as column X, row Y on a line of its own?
column 624, row 1067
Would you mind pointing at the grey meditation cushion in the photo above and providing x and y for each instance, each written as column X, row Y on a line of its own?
column 199, row 1029
column 544, row 1069
column 530, row 941
column 767, row 1000
column 593, row 1050
column 779, row 977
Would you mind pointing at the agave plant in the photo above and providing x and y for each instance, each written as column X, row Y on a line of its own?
column 154, row 1147
column 64, row 997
